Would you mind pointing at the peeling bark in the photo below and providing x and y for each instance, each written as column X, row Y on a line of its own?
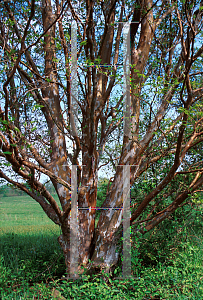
column 32, row 151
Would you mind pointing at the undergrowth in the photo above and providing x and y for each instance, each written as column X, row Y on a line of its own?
column 165, row 264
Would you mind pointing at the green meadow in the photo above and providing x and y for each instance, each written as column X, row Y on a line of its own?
column 21, row 211
column 166, row 263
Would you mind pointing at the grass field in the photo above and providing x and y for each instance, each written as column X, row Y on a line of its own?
column 166, row 264
column 22, row 210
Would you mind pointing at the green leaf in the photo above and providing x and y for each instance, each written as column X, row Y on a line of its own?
column 33, row 129
column 83, row 43
column 38, row 106
column 16, row 128
column 7, row 152
column 55, row 60
column 5, row 122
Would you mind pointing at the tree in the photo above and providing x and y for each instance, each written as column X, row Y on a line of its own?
column 162, row 125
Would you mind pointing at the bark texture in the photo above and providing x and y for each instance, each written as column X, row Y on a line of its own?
column 37, row 118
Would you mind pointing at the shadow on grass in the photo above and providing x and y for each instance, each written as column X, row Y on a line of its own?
column 32, row 253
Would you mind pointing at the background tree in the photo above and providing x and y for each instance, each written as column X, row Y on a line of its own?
column 165, row 146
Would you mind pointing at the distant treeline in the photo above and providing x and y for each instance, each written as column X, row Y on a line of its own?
column 8, row 190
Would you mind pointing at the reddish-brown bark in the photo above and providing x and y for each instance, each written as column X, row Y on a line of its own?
column 22, row 147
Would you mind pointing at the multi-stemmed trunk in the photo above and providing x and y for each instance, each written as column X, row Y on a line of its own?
column 32, row 151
